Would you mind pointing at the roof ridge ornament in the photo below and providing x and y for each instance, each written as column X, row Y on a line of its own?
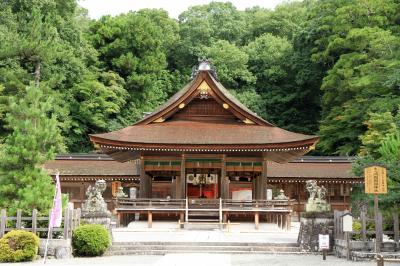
column 204, row 65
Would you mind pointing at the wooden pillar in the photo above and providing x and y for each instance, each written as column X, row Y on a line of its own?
column 34, row 221
column 224, row 179
column 396, row 230
column 257, row 220
column 3, row 222
column 261, row 182
column 149, row 186
column 181, row 181
column 149, row 219
column 143, row 182
column 19, row 215
column 253, row 188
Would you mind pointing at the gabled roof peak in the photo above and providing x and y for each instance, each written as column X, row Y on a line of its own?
column 204, row 65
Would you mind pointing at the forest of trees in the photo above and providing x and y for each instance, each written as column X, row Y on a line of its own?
column 325, row 67
column 329, row 67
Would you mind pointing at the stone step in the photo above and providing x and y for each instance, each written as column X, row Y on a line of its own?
column 185, row 244
column 201, row 220
column 163, row 252
column 164, row 248
column 204, row 248
column 161, row 248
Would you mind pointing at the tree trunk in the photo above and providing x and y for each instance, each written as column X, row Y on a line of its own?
column 37, row 73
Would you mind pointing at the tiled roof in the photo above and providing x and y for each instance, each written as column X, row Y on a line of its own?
column 157, row 132
column 203, row 132
column 79, row 167
column 310, row 170
column 102, row 165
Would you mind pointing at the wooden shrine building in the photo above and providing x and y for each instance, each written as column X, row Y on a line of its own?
column 202, row 139
column 205, row 151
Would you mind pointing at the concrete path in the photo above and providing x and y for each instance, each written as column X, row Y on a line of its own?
column 206, row 260
column 169, row 232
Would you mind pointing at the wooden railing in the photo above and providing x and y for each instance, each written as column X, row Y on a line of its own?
column 146, row 204
column 276, row 211
column 37, row 224
column 224, row 204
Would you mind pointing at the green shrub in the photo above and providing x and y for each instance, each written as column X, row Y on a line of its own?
column 357, row 228
column 18, row 245
column 90, row 240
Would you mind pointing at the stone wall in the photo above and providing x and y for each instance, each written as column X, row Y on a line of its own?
column 360, row 250
column 310, row 228
column 57, row 248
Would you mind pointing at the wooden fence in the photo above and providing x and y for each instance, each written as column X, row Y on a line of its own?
column 364, row 232
column 37, row 224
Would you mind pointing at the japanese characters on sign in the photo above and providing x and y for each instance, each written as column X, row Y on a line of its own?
column 375, row 180
column 323, row 241
column 347, row 221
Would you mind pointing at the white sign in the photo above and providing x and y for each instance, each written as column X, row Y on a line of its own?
column 242, row 195
column 347, row 223
column 323, row 241
column 269, row 194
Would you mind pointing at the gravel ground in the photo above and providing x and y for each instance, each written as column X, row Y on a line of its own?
column 206, row 260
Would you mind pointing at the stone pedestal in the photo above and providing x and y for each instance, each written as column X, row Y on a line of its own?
column 317, row 205
column 58, row 248
column 311, row 225
column 103, row 218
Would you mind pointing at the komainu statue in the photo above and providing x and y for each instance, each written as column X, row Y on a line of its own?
column 95, row 204
column 317, row 200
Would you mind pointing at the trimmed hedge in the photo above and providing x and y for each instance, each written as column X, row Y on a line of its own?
column 90, row 240
column 18, row 245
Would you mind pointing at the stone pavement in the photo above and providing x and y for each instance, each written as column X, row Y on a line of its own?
column 240, row 233
column 206, row 260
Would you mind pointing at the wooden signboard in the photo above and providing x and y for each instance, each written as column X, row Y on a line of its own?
column 347, row 223
column 375, row 180
column 114, row 188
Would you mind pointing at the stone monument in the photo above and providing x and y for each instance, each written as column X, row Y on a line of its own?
column 317, row 200
column 94, row 210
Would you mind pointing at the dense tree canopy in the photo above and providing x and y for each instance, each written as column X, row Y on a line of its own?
column 326, row 67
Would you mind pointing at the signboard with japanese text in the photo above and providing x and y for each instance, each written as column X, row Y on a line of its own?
column 323, row 241
column 347, row 223
column 375, row 180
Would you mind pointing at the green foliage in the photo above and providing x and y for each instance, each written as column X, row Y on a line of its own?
column 90, row 240
column 356, row 228
column 34, row 138
column 135, row 46
column 326, row 67
column 18, row 245
column 231, row 63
